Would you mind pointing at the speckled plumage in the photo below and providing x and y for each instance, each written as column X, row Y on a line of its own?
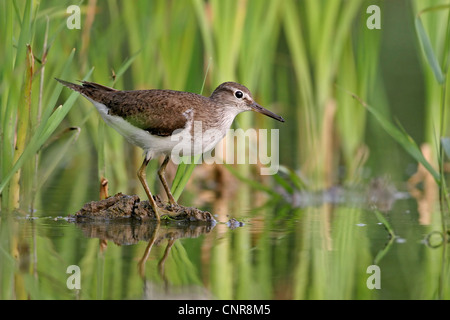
column 159, row 112
column 160, row 121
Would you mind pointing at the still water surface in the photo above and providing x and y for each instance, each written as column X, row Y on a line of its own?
column 318, row 252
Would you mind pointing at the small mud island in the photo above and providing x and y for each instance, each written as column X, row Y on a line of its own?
column 122, row 206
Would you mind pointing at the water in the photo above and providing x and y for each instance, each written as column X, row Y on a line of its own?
column 327, row 251
column 302, row 246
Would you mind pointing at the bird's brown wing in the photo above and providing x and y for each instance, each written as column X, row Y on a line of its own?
column 159, row 112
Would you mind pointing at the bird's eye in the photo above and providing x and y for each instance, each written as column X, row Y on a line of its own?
column 239, row 94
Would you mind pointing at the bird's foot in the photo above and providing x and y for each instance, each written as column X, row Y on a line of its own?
column 172, row 206
column 167, row 214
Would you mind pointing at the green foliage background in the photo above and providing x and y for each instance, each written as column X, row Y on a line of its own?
column 305, row 60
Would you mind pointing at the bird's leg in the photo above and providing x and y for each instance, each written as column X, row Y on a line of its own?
column 142, row 177
column 141, row 263
column 161, row 173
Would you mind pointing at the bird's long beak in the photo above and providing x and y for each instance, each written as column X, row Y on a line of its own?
column 256, row 107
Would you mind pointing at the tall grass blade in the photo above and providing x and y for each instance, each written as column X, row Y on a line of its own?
column 38, row 140
column 63, row 148
column 56, row 92
column 182, row 176
column 445, row 142
column 126, row 65
column 23, row 131
column 428, row 49
column 402, row 138
column 25, row 32
column 386, row 223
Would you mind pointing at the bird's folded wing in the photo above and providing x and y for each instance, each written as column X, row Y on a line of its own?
column 160, row 112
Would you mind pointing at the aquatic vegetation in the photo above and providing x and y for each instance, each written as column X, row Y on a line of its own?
column 351, row 95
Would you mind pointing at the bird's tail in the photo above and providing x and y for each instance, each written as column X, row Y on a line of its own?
column 73, row 86
column 85, row 86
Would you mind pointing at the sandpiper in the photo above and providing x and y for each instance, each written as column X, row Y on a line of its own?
column 150, row 119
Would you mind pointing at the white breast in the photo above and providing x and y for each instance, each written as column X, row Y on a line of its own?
column 152, row 145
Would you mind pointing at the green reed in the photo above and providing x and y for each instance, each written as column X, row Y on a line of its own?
column 435, row 44
column 299, row 58
column 433, row 30
column 322, row 47
column 240, row 40
column 25, row 126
